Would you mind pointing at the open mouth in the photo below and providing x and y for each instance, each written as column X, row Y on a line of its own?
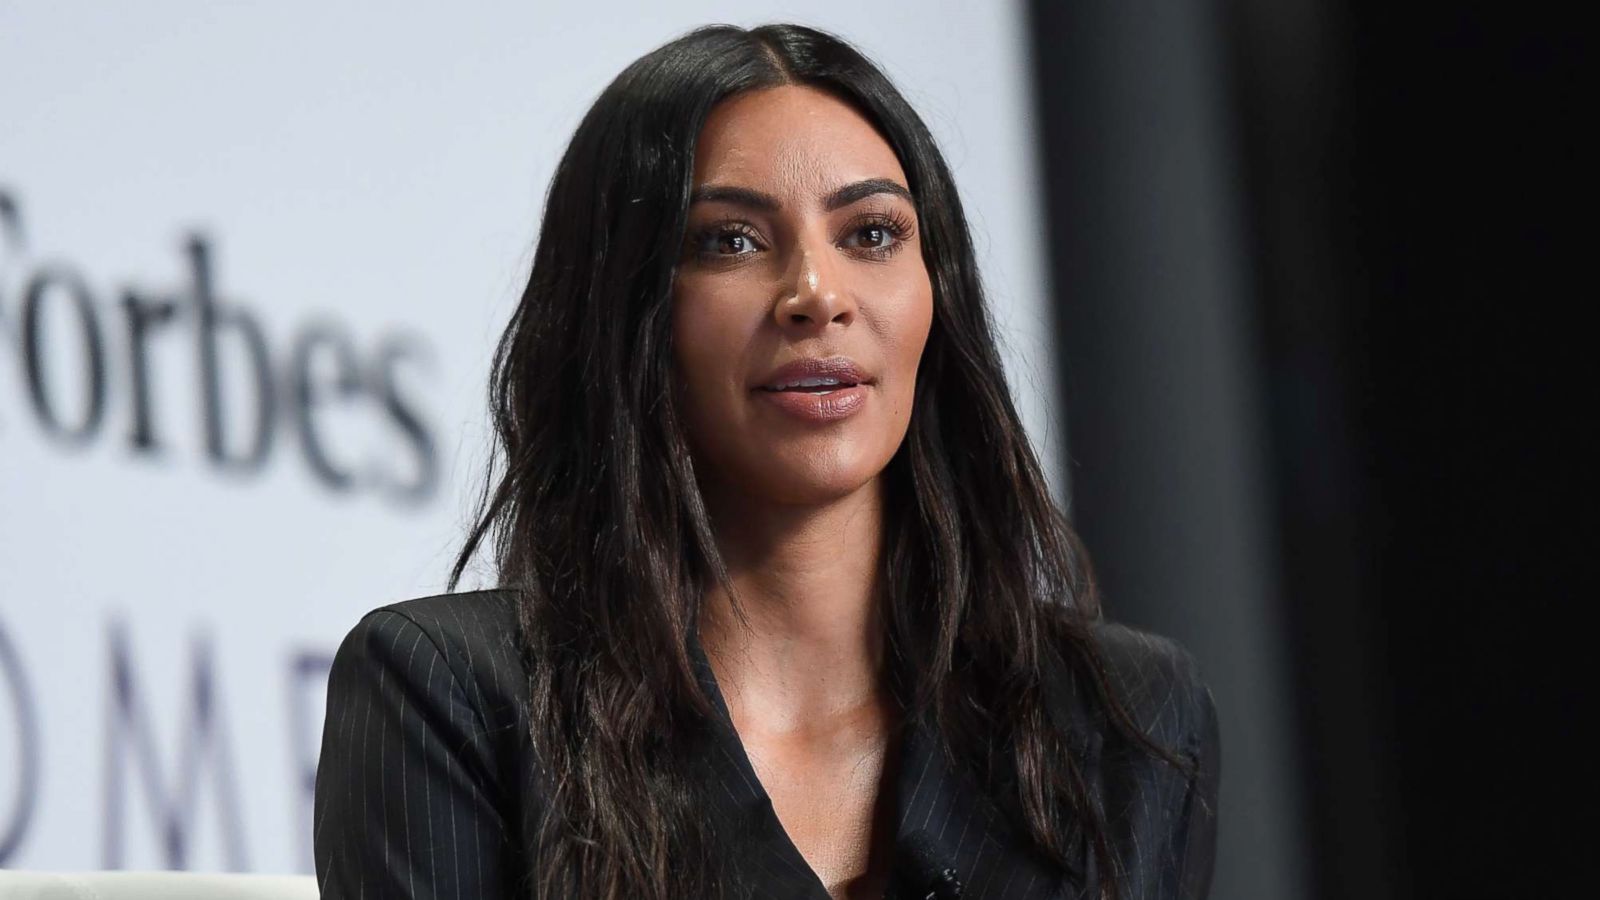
column 818, row 399
column 810, row 386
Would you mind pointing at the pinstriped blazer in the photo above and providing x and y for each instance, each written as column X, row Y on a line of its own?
column 426, row 784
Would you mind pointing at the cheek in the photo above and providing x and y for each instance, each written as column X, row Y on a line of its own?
column 697, row 333
column 711, row 334
column 905, row 335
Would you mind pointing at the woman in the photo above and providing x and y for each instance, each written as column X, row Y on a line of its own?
column 785, row 609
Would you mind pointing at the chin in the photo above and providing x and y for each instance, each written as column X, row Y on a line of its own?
column 813, row 485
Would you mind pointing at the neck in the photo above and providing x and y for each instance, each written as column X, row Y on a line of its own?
column 810, row 642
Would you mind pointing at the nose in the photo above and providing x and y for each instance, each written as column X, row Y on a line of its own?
column 814, row 293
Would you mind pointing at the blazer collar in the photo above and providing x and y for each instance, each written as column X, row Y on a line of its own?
column 938, row 804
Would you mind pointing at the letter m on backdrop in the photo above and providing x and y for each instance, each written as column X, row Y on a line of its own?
column 202, row 748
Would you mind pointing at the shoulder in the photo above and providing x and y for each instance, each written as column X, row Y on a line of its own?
column 1157, row 680
column 1161, row 685
column 486, row 618
column 422, row 732
column 470, row 636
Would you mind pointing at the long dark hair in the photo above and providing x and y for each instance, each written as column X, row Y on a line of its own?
column 598, row 524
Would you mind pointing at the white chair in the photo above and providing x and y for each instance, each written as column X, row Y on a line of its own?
column 17, row 885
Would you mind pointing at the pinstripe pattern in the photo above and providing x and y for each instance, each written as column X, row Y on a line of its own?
column 427, row 785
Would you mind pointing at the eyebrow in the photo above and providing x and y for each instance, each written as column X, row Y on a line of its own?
column 754, row 199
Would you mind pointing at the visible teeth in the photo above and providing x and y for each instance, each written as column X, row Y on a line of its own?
column 807, row 382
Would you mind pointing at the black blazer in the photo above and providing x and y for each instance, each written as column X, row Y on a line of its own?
column 426, row 785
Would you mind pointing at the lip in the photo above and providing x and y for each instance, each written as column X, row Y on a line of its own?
column 814, row 406
column 841, row 367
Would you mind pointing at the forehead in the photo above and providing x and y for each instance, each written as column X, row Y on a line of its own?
column 792, row 141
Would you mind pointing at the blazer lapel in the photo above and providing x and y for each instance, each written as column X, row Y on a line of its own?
column 767, row 862
column 978, row 835
column 938, row 804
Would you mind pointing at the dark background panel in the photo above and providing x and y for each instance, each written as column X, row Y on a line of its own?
column 1319, row 295
column 1166, row 421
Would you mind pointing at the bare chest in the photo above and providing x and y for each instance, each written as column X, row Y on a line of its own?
column 834, row 799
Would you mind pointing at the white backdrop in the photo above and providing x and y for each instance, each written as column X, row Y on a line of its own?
column 363, row 184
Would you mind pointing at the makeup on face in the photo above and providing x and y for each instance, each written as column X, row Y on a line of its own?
column 817, row 390
column 801, row 299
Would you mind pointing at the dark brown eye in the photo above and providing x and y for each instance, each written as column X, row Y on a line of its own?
column 734, row 244
column 874, row 236
column 724, row 241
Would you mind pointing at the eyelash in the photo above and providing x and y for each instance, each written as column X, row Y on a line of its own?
column 895, row 223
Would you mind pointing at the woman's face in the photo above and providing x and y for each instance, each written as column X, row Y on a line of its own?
column 802, row 263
